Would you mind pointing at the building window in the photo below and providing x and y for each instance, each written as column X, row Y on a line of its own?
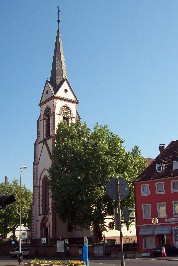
column 148, row 242
column 161, row 207
column 47, row 115
column 146, row 211
column 145, row 190
column 175, row 208
column 175, row 234
column 160, row 188
column 45, row 195
column 174, row 186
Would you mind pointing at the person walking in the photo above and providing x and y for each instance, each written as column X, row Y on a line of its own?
column 163, row 251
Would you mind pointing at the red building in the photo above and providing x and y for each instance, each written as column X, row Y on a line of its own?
column 156, row 201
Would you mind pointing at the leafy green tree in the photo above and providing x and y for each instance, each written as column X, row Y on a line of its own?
column 83, row 163
column 10, row 216
column 133, row 165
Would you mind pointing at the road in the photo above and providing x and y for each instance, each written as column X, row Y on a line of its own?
column 108, row 262
column 135, row 262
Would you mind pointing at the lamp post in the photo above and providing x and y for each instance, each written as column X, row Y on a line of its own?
column 20, row 202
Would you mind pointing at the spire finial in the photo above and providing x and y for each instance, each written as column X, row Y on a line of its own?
column 58, row 20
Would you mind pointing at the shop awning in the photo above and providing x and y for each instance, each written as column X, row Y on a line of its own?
column 162, row 230
column 147, row 230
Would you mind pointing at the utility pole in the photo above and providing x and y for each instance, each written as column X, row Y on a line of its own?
column 121, row 239
column 118, row 189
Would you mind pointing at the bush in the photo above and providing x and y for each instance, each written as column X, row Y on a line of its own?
column 58, row 262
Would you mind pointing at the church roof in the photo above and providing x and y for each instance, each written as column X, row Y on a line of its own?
column 58, row 72
column 58, row 78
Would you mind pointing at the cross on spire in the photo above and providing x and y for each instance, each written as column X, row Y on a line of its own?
column 58, row 20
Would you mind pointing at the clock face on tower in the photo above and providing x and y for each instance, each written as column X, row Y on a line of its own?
column 66, row 114
column 66, row 111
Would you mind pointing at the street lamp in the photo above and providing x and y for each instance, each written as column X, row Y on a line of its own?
column 20, row 201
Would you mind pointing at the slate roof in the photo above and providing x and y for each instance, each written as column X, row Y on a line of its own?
column 166, row 157
column 58, row 72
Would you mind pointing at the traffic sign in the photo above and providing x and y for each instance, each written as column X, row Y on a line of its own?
column 43, row 240
column 117, row 187
column 123, row 188
column 112, row 188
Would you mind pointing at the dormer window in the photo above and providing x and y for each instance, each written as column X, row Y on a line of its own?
column 175, row 163
column 159, row 166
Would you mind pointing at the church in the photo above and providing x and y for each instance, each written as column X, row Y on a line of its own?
column 58, row 103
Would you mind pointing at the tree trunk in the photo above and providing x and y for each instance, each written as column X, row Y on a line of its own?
column 13, row 232
column 97, row 234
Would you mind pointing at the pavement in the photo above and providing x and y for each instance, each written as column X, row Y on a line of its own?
column 4, row 261
column 161, row 258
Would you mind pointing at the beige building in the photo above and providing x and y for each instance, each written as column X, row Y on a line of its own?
column 129, row 234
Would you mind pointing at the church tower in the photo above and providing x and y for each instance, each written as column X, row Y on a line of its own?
column 58, row 103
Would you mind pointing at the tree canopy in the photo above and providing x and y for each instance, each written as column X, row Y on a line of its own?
column 83, row 162
column 10, row 216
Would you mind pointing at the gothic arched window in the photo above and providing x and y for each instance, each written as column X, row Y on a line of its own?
column 45, row 195
column 47, row 114
column 66, row 114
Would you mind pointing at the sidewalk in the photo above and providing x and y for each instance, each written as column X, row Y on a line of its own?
column 165, row 258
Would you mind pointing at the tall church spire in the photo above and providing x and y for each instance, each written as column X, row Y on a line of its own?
column 58, row 72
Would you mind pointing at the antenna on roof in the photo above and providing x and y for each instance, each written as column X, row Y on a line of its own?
column 58, row 20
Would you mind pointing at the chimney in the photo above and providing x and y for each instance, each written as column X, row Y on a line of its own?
column 6, row 180
column 161, row 147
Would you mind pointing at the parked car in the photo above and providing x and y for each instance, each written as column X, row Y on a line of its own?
column 15, row 252
column 157, row 252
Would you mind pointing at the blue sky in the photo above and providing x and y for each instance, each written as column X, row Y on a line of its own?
column 122, row 63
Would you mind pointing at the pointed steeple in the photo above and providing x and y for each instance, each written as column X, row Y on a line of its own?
column 58, row 72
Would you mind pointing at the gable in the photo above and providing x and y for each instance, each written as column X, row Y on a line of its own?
column 47, row 93
column 65, row 92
